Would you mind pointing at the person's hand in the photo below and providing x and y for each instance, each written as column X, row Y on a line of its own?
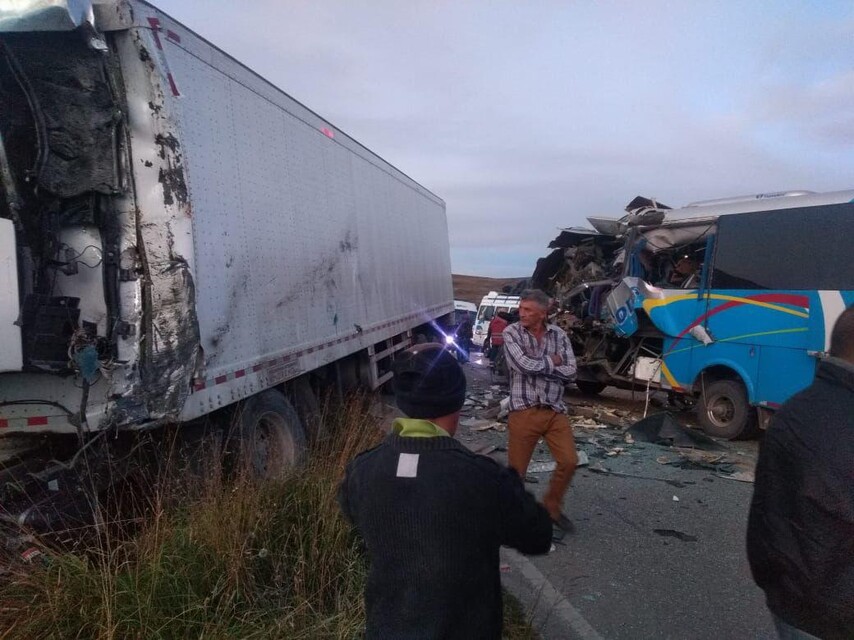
column 556, row 359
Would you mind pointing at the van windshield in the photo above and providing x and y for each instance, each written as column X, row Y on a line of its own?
column 486, row 313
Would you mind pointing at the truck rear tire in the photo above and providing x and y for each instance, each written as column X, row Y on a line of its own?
column 724, row 410
column 590, row 388
column 266, row 437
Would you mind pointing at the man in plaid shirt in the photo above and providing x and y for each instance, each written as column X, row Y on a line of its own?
column 541, row 362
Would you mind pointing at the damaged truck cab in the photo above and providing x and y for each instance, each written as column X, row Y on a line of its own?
column 725, row 303
column 179, row 236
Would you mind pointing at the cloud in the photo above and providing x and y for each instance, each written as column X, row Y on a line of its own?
column 818, row 112
column 525, row 118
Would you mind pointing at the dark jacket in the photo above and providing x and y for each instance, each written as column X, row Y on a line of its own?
column 433, row 539
column 800, row 535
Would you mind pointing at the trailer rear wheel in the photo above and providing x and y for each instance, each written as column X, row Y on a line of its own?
column 724, row 411
column 589, row 387
column 266, row 437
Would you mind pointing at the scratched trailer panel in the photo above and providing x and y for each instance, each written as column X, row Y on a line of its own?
column 251, row 240
column 301, row 235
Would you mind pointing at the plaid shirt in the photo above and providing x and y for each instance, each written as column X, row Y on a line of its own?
column 534, row 379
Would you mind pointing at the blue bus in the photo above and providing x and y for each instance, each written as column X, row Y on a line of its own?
column 727, row 304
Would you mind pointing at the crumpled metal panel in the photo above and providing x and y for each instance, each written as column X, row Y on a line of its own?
column 44, row 15
column 665, row 237
column 624, row 299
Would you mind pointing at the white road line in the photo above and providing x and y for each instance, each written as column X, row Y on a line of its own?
column 549, row 604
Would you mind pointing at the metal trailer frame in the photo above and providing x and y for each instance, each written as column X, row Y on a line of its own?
column 259, row 242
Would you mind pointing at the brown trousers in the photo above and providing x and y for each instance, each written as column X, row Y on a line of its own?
column 526, row 427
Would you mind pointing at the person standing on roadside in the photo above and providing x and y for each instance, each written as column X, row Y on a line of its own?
column 800, row 532
column 495, row 334
column 433, row 514
column 464, row 335
column 541, row 362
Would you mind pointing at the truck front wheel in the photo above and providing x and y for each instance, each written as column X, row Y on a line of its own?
column 724, row 410
column 266, row 437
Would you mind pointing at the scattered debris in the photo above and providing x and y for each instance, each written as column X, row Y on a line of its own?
column 504, row 408
column 612, row 420
column 675, row 498
column 491, row 413
column 589, row 423
column 599, row 468
column 482, row 425
column 583, row 459
column 673, row 533
column 739, row 476
column 696, row 460
column 485, row 449
column 30, row 554
column 663, row 429
column 542, row 467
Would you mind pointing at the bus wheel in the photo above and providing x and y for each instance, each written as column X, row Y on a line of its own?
column 266, row 437
column 724, row 411
column 590, row 388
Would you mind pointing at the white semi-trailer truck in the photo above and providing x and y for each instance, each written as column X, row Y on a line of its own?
column 179, row 237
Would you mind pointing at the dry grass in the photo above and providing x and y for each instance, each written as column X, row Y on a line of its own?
column 473, row 288
column 213, row 559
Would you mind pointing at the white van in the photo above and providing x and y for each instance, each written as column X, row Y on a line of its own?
column 491, row 303
column 468, row 307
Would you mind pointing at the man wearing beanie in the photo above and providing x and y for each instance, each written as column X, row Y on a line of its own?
column 433, row 514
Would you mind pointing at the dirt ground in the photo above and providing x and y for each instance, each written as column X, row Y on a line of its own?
column 473, row 288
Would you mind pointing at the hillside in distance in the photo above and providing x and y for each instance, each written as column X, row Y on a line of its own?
column 473, row 288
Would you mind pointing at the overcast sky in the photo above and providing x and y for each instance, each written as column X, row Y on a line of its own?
column 529, row 116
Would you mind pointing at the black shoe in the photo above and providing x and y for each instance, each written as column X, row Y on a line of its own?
column 564, row 523
column 531, row 479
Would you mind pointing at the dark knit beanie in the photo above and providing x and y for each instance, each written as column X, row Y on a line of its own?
column 428, row 382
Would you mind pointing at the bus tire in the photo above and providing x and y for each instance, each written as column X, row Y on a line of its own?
column 266, row 437
column 590, row 387
column 724, row 410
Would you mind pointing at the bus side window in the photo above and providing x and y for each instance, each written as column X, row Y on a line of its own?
column 796, row 249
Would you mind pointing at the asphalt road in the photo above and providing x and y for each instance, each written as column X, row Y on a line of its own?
column 650, row 558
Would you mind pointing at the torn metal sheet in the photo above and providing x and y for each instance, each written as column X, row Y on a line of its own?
column 667, row 237
column 623, row 300
column 45, row 15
